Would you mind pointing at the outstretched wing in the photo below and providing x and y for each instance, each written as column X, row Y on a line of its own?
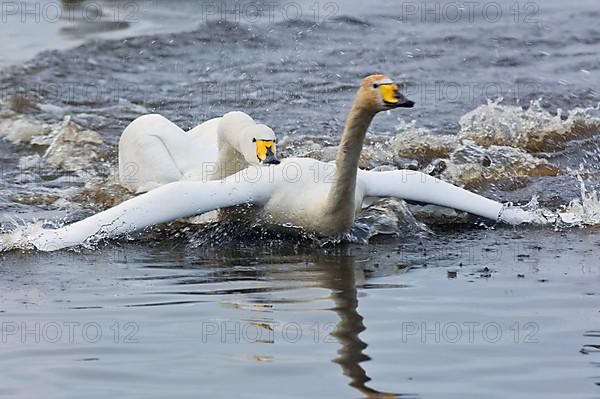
column 166, row 203
column 416, row 186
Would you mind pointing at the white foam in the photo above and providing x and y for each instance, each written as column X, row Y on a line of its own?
column 21, row 129
column 580, row 212
column 584, row 211
column 531, row 213
column 20, row 237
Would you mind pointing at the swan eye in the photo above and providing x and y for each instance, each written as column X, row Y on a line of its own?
column 254, row 140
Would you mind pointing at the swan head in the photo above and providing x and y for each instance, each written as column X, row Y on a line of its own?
column 258, row 145
column 256, row 142
column 380, row 93
column 234, row 121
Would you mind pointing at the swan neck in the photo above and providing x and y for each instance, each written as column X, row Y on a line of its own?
column 355, row 130
column 179, row 149
column 348, row 154
column 230, row 159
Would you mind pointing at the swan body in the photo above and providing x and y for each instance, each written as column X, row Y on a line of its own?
column 317, row 196
column 153, row 151
column 281, row 200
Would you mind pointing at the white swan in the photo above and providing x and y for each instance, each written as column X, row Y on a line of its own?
column 317, row 196
column 153, row 151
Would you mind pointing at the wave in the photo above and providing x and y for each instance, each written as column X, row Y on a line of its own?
column 532, row 129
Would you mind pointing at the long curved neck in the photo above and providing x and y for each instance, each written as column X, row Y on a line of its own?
column 230, row 159
column 179, row 148
column 348, row 154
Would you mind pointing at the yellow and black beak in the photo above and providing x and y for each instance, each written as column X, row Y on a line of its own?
column 265, row 152
column 392, row 98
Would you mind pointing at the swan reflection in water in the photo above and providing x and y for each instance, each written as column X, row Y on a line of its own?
column 336, row 272
column 338, row 275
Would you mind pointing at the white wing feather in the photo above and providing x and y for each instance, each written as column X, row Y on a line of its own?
column 167, row 203
column 416, row 186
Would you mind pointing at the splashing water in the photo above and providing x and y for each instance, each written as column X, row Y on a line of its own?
column 531, row 129
column 580, row 212
column 584, row 210
column 530, row 213
column 20, row 236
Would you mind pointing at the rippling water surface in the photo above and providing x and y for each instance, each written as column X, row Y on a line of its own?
column 436, row 304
